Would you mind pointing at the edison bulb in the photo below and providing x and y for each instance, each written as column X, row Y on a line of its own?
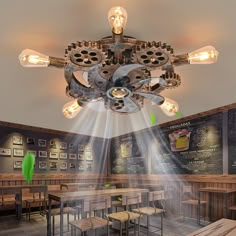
column 205, row 55
column 71, row 109
column 30, row 58
column 169, row 107
column 117, row 17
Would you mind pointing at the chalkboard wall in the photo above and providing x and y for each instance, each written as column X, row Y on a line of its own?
column 191, row 147
column 57, row 153
column 232, row 140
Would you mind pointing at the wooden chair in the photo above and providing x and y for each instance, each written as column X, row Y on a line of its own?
column 11, row 197
column 56, row 212
column 92, row 206
column 126, row 216
column 189, row 200
column 152, row 209
column 39, row 194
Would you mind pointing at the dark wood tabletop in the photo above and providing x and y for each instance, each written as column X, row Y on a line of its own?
column 221, row 227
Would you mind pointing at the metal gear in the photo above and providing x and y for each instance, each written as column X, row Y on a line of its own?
column 83, row 55
column 173, row 80
column 152, row 54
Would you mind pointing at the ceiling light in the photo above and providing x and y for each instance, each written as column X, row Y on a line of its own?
column 118, row 70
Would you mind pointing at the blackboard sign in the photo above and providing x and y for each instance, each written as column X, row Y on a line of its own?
column 126, row 156
column 192, row 147
column 232, row 140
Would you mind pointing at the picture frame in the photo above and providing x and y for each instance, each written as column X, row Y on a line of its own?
column 71, row 146
column 81, row 157
column 17, row 164
column 5, row 152
column 30, row 141
column 63, row 166
column 18, row 152
column 89, row 166
column 63, row 145
column 81, row 148
column 53, row 165
column 34, row 152
column 43, row 154
column 72, row 166
column 17, row 140
column 53, row 155
column 43, row 165
column 52, row 144
column 63, row 155
column 81, row 166
column 42, row 143
column 72, row 156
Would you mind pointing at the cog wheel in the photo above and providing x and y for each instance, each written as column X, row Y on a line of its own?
column 83, row 55
column 173, row 80
column 152, row 54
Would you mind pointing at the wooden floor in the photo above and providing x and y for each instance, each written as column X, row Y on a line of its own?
column 10, row 226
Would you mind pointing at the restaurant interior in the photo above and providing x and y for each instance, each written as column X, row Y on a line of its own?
column 128, row 124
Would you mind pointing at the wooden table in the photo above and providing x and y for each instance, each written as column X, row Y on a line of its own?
column 221, row 227
column 209, row 190
column 17, row 190
column 66, row 197
column 77, row 185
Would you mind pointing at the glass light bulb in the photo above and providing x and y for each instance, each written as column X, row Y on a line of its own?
column 30, row 58
column 71, row 109
column 169, row 107
column 205, row 55
column 117, row 17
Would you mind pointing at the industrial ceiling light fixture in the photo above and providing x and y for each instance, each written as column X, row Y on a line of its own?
column 118, row 69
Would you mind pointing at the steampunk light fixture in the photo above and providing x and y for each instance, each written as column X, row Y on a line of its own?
column 118, row 70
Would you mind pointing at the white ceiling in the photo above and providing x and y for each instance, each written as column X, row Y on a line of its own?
column 35, row 96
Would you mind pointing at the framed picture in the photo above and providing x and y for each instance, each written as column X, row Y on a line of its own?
column 5, row 152
column 80, row 148
column 82, row 166
column 89, row 166
column 71, row 146
column 63, row 155
column 72, row 156
column 42, row 165
column 17, row 140
column 53, row 144
column 43, row 154
column 81, row 157
column 17, row 164
column 72, row 166
column 53, row 165
column 63, row 166
column 53, row 155
column 42, row 143
column 17, row 152
column 63, row 145
column 33, row 152
column 88, row 156
column 30, row 141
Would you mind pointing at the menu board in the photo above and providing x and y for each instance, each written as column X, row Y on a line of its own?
column 232, row 140
column 126, row 157
column 192, row 147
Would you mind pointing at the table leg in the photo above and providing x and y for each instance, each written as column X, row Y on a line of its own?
column 49, row 216
column 61, row 219
column 19, row 206
column 209, row 205
column 225, row 211
column 199, row 208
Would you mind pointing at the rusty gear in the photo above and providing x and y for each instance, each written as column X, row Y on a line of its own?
column 152, row 54
column 173, row 80
column 83, row 55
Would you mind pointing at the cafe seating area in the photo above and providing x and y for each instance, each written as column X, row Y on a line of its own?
column 70, row 208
